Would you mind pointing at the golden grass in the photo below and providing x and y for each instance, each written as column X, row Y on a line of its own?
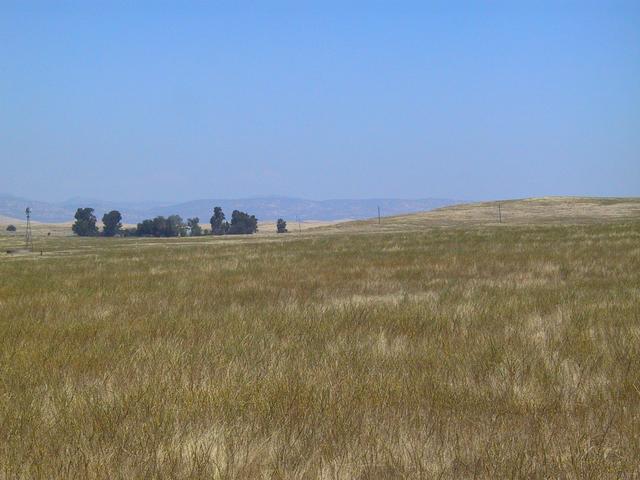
column 43, row 231
column 532, row 211
column 489, row 352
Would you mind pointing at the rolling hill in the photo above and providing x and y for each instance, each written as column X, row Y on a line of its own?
column 545, row 210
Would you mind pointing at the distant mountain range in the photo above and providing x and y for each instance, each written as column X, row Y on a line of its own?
column 264, row 208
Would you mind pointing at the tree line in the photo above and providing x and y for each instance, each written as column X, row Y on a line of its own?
column 85, row 225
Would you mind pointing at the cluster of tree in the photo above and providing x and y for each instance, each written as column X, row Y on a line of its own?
column 281, row 226
column 241, row 223
column 85, row 224
column 11, row 228
column 172, row 226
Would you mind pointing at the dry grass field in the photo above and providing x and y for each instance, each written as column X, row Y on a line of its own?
column 441, row 346
column 548, row 210
column 44, row 230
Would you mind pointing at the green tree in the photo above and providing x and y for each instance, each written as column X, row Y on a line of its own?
column 11, row 228
column 194, row 225
column 112, row 223
column 175, row 226
column 85, row 224
column 171, row 226
column 160, row 226
column 145, row 228
column 218, row 225
column 281, row 226
column 242, row 223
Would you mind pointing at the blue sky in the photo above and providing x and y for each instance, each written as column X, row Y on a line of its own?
column 177, row 101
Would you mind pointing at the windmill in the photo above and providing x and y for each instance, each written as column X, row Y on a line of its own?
column 28, row 238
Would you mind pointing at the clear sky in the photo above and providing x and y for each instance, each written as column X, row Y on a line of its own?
column 184, row 100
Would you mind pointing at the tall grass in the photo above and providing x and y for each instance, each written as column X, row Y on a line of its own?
column 453, row 353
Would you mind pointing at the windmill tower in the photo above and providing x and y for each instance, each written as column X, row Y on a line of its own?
column 28, row 238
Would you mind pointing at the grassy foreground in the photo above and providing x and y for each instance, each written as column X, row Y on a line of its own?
column 510, row 352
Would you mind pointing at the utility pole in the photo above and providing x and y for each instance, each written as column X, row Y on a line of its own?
column 500, row 212
column 299, row 225
column 378, row 214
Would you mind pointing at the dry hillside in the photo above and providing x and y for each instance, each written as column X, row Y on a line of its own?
column 546, row 210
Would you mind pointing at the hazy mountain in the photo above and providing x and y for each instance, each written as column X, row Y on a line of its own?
column 265, row 208
column 14, row 207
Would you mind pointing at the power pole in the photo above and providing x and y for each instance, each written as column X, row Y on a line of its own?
column 378, row 214
column 500, row 212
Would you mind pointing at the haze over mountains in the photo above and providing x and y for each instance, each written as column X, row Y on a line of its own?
column 264, row 208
